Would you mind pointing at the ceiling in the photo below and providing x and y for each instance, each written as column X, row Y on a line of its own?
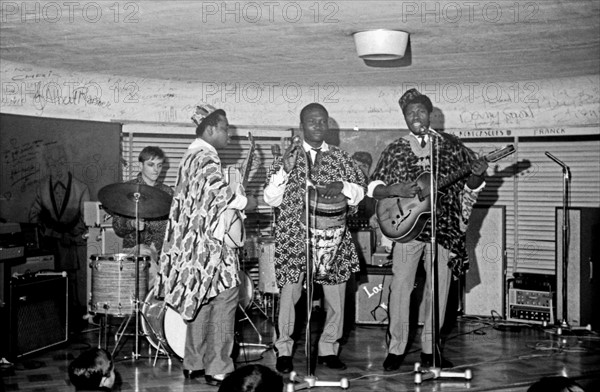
column 306, row 42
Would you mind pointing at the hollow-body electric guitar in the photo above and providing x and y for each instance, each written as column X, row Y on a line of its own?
column 233, row 220
column 402, row 219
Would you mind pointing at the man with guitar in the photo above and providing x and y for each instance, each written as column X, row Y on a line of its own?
column 398, row 177
column 339, row 183
column 198, row 273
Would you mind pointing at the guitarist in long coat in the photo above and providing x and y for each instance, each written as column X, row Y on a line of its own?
column 396, row 175
column 198, row 273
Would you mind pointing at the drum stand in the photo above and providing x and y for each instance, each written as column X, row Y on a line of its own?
column 260, row 344
column 310, row 380
column 435, row 371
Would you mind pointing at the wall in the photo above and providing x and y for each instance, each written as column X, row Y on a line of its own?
column 59, row 93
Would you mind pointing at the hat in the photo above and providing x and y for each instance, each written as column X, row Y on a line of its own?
column 202, row 111
column 414, row 96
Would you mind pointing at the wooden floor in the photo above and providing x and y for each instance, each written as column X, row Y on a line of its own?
column 499, row 360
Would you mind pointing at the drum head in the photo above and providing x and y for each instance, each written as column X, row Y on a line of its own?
column 246, row 289
column 175, row 331
column 163, row 327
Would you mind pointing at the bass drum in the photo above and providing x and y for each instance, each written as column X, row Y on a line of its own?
column 164, row 328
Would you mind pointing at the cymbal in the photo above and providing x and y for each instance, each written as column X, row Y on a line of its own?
column 121, row 198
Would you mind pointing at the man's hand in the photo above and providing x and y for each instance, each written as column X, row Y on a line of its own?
column 479, row 166
column 290, row 157
column 141, row 225
column 403, row 189
column 330, row 190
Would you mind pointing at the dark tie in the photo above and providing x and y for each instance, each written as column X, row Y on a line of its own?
column 423, row 143
column 317, row 156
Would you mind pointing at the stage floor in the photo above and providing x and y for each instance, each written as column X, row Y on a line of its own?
column 499, row 360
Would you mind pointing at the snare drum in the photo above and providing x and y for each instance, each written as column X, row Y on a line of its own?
column 164, row 327
column 326, row 213
column 266, row 266
column 113, row 282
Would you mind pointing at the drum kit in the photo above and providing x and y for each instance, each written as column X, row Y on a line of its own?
column 120, row 280
column 120, row 283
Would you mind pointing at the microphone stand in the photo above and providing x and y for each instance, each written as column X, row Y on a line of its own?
column 310, row 380
column 436, row 370
column 564, row 323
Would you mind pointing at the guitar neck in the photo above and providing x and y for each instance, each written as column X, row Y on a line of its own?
column 247, row 165
column 454, row 177
column 466, row 170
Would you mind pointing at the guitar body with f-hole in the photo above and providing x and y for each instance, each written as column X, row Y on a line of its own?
column 402, row 219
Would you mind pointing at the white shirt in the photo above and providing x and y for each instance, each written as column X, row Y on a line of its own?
column 273, row 193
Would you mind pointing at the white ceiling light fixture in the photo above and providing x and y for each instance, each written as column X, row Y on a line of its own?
column 381, row 44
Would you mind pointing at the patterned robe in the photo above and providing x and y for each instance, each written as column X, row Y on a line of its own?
column 195, row 265
column 154, row 229
column 335, row 165
column 404, row 160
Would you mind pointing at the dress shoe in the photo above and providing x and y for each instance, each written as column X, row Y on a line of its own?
column 427, row 361
column 332, row 362
column 393, row 361
column 284, row 364
column 191, row 374
column 215, row 380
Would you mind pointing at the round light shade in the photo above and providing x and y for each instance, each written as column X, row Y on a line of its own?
column 381, row 44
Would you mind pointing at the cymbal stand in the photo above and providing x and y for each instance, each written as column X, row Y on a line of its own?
column 435, row 371
column 310, row 381
column 136, row 301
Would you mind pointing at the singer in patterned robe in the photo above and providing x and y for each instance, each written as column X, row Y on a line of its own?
column 198, row 273
column 335, row 175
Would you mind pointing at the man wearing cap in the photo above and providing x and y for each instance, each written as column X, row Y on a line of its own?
column 198, row 273
column 395, row 175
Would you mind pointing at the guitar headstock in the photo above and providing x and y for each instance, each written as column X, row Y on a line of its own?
column 251, row 140
column 500, row 153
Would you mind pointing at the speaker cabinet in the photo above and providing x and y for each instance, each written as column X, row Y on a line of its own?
column 363, row 239
column 484, row 287
column 583, row 252
column 38, row 314
column 372, row 296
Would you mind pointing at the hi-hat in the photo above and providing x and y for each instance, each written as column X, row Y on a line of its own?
column 121, row 198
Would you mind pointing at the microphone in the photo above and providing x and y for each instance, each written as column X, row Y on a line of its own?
column 431, row 132
column 560, row 163
column 297, row 140
column 276, row 150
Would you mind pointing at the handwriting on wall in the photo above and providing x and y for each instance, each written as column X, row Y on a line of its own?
column 38, row 91
column 20, row 165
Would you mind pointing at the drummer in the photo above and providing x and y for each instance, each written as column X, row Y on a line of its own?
column 152, row 231
column 334, row 173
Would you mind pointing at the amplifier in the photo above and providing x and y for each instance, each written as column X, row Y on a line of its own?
column 95, row 215
column 38, row 313
column 34, row 264
column 530, row 306
column 363, row 239
column 371, row 304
